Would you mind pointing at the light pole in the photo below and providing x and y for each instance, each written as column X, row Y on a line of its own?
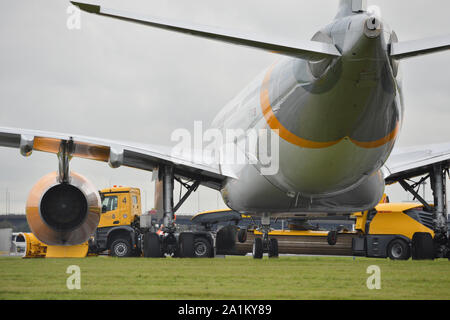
column 7, row 201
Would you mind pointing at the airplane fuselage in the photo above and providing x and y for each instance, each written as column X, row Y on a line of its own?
column 336, row 121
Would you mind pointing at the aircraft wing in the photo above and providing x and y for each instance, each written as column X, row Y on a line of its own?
column 186, row 164
column 407, row 49
column 405, row 163
column 309, row 50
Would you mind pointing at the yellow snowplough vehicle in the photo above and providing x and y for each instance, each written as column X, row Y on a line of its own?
column 33, row 248
column 397, row 231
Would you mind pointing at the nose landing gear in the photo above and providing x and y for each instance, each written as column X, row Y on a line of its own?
column 265, row 244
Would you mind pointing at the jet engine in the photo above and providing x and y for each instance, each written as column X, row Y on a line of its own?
column 64, row 213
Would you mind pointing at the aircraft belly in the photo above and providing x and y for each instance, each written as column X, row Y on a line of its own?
column 252, row 193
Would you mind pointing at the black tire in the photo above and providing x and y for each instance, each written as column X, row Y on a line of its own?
column 121, row 248
column 273, row 248
column 226, row 238
column 152, row 246
column 398, row 249
column 202, row 248
column 332, row 238
column 242, row 235
column 186, row 245
column 422, row 246
column 258, row 249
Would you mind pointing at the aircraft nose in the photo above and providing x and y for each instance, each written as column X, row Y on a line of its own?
column 373, row 27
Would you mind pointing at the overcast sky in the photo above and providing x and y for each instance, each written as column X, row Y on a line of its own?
column 118, row 80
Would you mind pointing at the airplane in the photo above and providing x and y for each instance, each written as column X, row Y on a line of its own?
column 332, row 106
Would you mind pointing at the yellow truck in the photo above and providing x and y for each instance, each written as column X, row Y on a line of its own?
column 395, row 230
column 118, row 230
column 122, row 229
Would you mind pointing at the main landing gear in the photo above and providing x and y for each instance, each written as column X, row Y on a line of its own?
column 166, row 240
column 265, row 244
column 423, row 246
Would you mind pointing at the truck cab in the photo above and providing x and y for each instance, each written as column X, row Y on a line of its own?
column 120, row 206
column 116, row 232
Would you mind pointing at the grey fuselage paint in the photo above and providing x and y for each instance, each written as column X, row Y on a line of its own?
column 336, row 121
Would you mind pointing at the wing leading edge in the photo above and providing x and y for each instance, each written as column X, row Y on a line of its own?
column 406, row 163
column 309, row 50
column 146, row 157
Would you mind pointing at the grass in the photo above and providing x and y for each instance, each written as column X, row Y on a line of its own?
column 230, row 278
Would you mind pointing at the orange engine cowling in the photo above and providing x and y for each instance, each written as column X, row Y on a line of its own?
column 63, row 213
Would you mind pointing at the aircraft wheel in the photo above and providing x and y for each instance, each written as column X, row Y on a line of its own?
column 422, row 246
column 332, row 238
column 242, row 235
column 273, row 248
column 202, row 248
column 152, row 246
column 258, row 248
column 186, row 245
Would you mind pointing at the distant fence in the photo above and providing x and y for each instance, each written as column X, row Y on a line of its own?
column 17, row 222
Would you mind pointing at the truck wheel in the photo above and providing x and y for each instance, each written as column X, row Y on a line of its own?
column 257, row 248
column 332, row 238
column 186, row 245
column 202, row 248
column 152, row 247
column 242, row 235
column 398, row 249
column 273, row 248
column 422, row 246
column 121, row 248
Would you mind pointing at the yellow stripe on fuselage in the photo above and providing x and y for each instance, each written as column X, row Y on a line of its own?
column 285, row 134
column 380, row 142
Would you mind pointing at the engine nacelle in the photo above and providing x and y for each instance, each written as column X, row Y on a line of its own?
column 63, row 213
